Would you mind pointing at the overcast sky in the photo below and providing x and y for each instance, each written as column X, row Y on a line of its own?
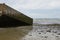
column 36, row 8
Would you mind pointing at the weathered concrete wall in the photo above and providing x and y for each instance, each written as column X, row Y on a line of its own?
column 6, row 21
column 6, row 10
column 10, row 17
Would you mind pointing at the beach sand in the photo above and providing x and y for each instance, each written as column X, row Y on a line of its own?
column 14, row 33
column 43, row 33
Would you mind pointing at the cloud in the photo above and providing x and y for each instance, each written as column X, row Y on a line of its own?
column 42, row 15
column 1, row 1
column 34, row 4
column 37, row 7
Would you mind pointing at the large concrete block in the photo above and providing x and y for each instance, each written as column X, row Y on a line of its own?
column 12, row 16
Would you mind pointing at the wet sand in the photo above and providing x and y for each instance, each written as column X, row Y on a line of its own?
column 27, row 33
column 16, row 33
column 43, row 33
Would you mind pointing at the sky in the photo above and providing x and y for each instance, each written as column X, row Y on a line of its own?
column 36, row 8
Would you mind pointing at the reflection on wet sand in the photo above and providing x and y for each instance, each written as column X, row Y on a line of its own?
column 14, row 33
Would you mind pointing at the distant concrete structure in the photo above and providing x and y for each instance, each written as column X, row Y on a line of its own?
column 10, row 16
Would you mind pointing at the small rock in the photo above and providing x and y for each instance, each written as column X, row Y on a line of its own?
column 46, row 36
column 55, row 31
column 58, row 33
column 30, row 35
column 57, row 36
column 48, row 30
column 41, row 36
column 39, row 33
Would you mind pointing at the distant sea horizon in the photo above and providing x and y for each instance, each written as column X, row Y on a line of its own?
column 47, row 20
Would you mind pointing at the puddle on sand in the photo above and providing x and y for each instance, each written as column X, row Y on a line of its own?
column 14, row 33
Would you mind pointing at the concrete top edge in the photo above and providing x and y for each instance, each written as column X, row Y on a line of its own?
column 2, row 3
